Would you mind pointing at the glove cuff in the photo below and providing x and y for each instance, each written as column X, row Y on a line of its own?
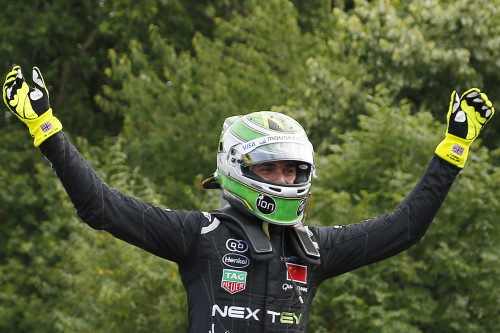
column 454, row 149
column 43, row 127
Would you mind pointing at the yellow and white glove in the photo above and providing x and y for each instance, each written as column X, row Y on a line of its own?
column 466, row 118
column 31, row 105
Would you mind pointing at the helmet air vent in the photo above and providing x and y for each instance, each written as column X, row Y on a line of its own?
column 275, row 189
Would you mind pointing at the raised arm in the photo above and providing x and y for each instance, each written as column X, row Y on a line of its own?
column 345, row 248
column 167, row 233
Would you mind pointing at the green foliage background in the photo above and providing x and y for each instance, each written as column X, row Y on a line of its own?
column 142, row 89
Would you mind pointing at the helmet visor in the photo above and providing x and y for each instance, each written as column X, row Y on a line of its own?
column 275, row 148
column 280, row 151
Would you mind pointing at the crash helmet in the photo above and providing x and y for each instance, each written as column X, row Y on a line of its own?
column 260, row 137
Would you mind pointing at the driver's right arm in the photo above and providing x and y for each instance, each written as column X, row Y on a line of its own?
column 169, row 234
column 165, row 233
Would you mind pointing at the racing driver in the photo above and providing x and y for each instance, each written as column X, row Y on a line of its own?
column 252, row 265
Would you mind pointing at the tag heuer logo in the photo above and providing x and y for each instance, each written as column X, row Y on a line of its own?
column 233, row 281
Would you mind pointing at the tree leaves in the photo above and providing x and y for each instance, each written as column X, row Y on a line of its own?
column 143, row 90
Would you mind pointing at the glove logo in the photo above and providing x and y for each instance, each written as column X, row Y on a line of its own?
column 46, row 127
column 460, row 117
column 457, row 150
column 35, row 95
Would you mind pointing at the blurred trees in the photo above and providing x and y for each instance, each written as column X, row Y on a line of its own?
column 143, row 88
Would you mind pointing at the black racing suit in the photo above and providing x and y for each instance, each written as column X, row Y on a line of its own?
column 228, row 289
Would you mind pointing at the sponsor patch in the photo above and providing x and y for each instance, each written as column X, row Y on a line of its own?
column 288, row 286
column 235, row 260
column 234, row 311
column 302, row 204
column 297, row 273
column 236, row 245
column 233, row 281
column 255, row 314
column 247, row 147
column 265, row 204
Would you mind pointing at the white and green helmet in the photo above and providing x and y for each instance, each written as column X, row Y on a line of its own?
column 260, row 137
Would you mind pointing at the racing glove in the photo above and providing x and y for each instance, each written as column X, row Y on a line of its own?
column 466, row 118
column 31, row 105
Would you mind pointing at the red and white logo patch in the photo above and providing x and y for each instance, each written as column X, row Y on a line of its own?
column 233, row 280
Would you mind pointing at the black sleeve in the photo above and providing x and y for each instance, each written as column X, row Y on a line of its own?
column 166, row 233
column 345, row 248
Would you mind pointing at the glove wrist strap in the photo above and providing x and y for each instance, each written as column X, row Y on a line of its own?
column 454, row 149
column 43, row 127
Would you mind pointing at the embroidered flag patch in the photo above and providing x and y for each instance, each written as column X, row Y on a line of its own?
column 46, row 127
column 297, row 273
column 457, row 150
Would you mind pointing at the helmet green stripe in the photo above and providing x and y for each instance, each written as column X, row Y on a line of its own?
column 244, row 132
